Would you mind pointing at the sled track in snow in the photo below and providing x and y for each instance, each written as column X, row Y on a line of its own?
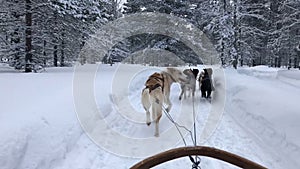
column 263, row 132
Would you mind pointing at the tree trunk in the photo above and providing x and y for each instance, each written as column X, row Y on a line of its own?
column 55, row 56
column 290, row 63
column 295, row 62
column 222, row 53
column 28, row 42
column 242, row 62
column 62, row 58
column 55, row 40
column 14, row 41
column 44, row 52
column 235, row 31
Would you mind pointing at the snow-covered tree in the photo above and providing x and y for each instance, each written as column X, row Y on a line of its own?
column 52, row 32
column 183, row 9
column 49, row 32
column 285, row 32
column 12, row 32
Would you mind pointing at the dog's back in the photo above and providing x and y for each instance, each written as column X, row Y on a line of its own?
column 154, row 81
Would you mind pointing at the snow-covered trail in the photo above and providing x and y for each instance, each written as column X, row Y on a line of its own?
column 38, row 124
column 43, row 131
column 231, row 135
column 266, row 107
column 126, row 97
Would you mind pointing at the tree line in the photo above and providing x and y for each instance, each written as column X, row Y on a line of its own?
column 251, row 32
column 36, row 33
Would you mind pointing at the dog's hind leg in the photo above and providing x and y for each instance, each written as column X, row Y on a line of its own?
column 203, row 93
column 146, row 104
column 168, row 102
column 157, row 103
column 208, row 93
column 157, row 112
column 182, row 91
column 158, row 116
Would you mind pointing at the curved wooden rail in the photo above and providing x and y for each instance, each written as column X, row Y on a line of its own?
column 198, row 150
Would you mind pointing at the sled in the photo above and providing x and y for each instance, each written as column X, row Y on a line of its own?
column 200, row 151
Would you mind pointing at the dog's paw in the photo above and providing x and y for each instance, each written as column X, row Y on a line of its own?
column 202, row 99
column 156, row 134
column 179, row 97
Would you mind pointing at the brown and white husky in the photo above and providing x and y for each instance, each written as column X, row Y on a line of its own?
column 157, row 92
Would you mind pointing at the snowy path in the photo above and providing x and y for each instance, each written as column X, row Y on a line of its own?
column 257, row 103
column 43, row 132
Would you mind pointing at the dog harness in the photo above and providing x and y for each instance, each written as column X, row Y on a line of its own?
column 155, row 85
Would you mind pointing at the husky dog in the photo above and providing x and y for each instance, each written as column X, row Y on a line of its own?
column 190, row 83
column 205, row 83
column 157, row 92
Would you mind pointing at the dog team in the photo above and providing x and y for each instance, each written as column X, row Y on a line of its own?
column 157, row 90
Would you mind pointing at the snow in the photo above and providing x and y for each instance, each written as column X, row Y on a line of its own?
column 40, row 128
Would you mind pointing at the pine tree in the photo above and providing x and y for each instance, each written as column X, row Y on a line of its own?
column 13, row 28
column 48, row 32
column 286, row 32
column 85, row 16
column 28, row 35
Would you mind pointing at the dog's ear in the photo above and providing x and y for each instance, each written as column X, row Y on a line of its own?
column 186, row 71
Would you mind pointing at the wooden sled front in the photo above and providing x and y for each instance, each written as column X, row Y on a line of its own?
column 200, row 151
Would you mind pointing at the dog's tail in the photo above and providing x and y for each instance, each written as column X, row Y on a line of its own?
column 146, row 98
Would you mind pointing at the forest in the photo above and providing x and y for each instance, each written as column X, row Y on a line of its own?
column 35, row 34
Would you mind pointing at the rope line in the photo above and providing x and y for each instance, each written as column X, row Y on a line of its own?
column 197, row 159
column 196, row 163
column 178, row 126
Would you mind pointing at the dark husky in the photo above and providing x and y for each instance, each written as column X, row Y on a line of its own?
column 205, row 83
